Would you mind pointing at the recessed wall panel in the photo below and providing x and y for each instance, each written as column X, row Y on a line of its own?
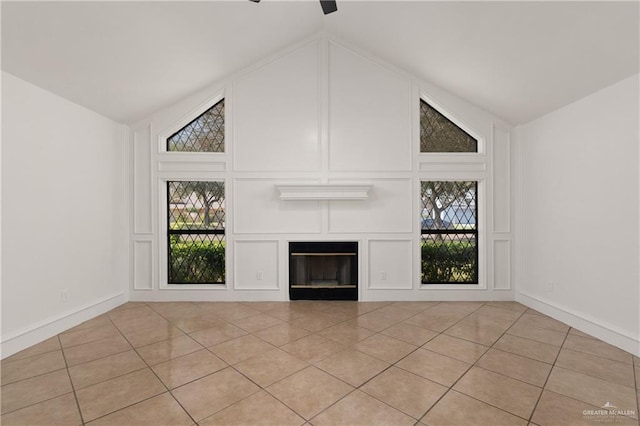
column 256, row 265
column 258, row 209
column 141, row 183
column 390, row 264
column 142, row 265
column 502, row 265
column 501, row 181
column 369, row 115
column 276, row 114
column 387, row 209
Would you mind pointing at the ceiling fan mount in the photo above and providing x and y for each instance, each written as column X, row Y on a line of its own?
column 328, row 6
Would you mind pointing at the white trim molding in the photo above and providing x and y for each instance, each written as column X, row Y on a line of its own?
column 583, row 322
column 36, row 333
column 326, row 191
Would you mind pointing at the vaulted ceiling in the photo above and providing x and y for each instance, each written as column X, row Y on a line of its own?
column 518, row 60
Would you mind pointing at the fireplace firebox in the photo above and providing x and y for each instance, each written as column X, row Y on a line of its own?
column 323, row 270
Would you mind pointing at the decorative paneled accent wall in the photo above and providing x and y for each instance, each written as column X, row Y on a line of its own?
column 390, row 258
column 321, row 112
column 143, row 217
column 143, row 272
column 388, row 209
column 258, row 209
column 369, row 115
column 263, row 258
column 280, row 100
column 500, row 277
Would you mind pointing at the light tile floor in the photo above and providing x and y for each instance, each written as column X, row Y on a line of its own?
column 320, row 363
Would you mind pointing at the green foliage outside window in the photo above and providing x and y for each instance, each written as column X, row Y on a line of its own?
column 196, row 262
column 449, row 262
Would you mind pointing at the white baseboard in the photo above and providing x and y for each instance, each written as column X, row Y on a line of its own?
column 438, row 295
column 280, row 295
column 36, row 333
column 585, row 323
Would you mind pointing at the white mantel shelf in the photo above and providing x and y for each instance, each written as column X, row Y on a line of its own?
column 324, row 191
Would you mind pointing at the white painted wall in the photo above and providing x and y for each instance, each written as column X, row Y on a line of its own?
column 281, row 103
column 64, row 216
column 579, row 209
column 369, row 114
column 320, row 112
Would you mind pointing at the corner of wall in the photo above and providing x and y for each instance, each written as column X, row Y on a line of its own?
column 556, row 271
column 78, row 267
column 49, row 327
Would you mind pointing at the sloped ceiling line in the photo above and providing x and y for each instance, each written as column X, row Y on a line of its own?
column 517, row 60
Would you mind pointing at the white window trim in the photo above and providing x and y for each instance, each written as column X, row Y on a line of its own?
column 163, row 248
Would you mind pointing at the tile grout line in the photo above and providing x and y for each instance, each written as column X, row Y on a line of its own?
column 152, row 371
column 232, row 367
column 515, row 354
column 544, row 386
column 506, row 332
column 97, row 359
column 550, row 344
column 40, row 375
column 317, row 332
column 608, row 380
column 130, row 405
column 73, row 388
column 600, row 356
column 61, row 348
column 472, row 365
column 7, row 360
column 358, row 388
column 260, row 388
column 413, row 351
column 35, row 376
column 285, row 404
column 355, row 388
column 550, row 370
column 636, row 368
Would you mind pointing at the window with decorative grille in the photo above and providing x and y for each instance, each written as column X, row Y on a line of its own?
column 449, row 232
column 204, row 134
column 196, row 232
column 439, row 134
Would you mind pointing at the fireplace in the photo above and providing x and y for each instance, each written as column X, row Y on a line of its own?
column 323, row 270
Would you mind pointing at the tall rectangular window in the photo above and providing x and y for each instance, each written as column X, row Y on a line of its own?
column 196, row 232
column 449, row 232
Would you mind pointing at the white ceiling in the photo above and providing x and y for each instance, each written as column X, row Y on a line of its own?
column 125, row 60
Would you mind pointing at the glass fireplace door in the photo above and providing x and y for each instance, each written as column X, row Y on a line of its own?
column 323, row 270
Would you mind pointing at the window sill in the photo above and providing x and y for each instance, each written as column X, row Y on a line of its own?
column 194, row 287
column 452, row 287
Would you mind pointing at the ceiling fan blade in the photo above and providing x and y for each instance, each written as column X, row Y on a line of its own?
column 328, row 6
column 255, row 1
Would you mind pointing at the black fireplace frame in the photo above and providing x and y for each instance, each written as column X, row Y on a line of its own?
column 329, row 292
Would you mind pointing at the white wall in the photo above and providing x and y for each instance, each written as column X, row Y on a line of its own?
column 579, row 208
column 320, row 112
column 64, row 221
